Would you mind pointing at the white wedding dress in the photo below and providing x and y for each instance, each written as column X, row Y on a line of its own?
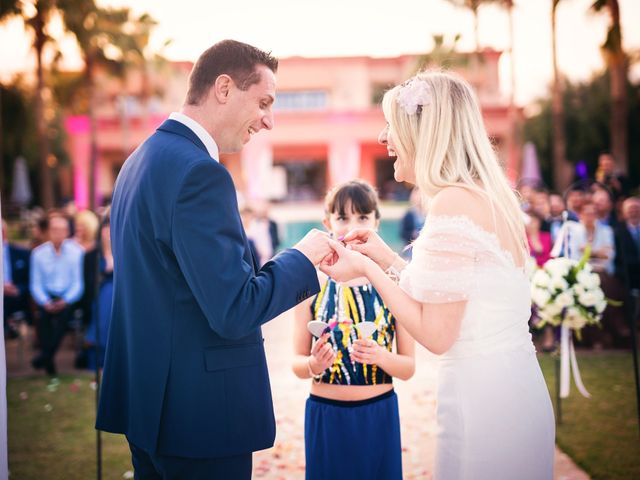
column 495, row 419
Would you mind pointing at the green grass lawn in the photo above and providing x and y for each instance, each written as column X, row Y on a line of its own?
column 601, row 433
column 51, row 431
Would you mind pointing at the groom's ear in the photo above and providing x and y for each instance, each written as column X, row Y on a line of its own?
column 222, row 88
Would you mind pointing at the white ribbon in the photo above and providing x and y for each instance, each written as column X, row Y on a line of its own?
column 563, row 240
column 569, row 365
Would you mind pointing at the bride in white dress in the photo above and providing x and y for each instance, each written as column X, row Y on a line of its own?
column 464, row 295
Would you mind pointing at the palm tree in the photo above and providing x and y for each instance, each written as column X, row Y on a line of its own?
column 513, row 140
column 135, row 50
column 474, row 6
column 562, row 171
column 444, row 54
column 7, row 9
column 37, row 22
column 617, row 63
column 96, row 30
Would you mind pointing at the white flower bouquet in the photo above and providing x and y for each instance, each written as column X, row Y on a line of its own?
column 567, row 292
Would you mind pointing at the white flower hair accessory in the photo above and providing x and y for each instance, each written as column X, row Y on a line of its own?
column 414, row 94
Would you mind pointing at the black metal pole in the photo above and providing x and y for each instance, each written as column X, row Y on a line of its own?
column 558, row 399
column 633, row 311
column 96, row 319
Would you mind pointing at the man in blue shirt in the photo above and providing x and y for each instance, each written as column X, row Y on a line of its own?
column 56, row 283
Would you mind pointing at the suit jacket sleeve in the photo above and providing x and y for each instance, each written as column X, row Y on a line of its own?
column 209, row 244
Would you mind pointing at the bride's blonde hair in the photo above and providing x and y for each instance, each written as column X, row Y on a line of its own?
column 435, row 120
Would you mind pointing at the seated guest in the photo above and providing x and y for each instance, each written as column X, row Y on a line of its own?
column 604, row 207
column 87, row 224
column 55, row 284
column 574, row 200
column 601, row 241
column 539, row 241
column 542, row 207
column 556, row 209
column 102, row 307
column 16, row 282
column 599, row 237
column 608, row 175
column 628, row 244
column 39, row 229
column 413, row 219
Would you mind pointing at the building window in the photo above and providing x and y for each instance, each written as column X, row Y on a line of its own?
column 306, row 180
column 302, row 100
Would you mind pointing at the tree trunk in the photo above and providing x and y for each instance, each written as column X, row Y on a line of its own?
column 46, row 188
column 618, row 74
column 2, row 189
column 513, row 142
column 562, row 171
column 476, row 29
column 93, row 131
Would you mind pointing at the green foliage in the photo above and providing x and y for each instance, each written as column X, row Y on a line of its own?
column 444, row 54
column 587, row 126
column 19, row 133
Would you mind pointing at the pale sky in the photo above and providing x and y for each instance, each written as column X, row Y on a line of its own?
column 370, row 27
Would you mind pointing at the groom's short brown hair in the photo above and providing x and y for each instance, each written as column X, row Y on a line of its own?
column 230, row 57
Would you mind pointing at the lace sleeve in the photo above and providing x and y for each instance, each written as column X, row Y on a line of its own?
column 444, row 261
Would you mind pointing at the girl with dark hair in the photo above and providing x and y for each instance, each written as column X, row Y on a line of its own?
column 352, row 426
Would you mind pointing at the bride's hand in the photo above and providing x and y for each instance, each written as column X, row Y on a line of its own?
column 369, row 243
column 346, row 263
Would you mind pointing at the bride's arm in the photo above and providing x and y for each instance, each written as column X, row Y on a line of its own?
column 435, row 326
column 434, row 320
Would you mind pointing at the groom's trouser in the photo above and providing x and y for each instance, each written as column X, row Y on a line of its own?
column 148, row 466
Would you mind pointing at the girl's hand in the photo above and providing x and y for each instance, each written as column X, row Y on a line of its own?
column 345, row 265
column 322, row 355
column 369, row 243
column 369, row 352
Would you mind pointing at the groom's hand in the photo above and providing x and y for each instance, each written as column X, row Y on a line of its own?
column 314, row 246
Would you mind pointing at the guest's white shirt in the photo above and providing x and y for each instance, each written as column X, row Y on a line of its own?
column 603, row 239
column 59, row 274
column 200, row 132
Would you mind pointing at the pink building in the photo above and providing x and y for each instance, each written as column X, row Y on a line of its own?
column 327, row 120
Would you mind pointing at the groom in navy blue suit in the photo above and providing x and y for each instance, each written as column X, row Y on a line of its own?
column 185, row 377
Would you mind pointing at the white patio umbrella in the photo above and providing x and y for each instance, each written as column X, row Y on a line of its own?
column 21, row 193
column 530, row 165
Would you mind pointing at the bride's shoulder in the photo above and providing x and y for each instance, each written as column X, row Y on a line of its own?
column 457, row 201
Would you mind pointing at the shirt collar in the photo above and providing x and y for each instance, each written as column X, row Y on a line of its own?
column 200, row 132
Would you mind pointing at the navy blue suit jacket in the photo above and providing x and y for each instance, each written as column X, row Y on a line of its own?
column 20, row 268
column 19, row 258
column 185, row 371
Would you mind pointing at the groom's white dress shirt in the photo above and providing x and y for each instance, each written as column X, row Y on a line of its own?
column 200, row 132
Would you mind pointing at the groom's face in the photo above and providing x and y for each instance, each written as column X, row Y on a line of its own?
column 249, row 111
